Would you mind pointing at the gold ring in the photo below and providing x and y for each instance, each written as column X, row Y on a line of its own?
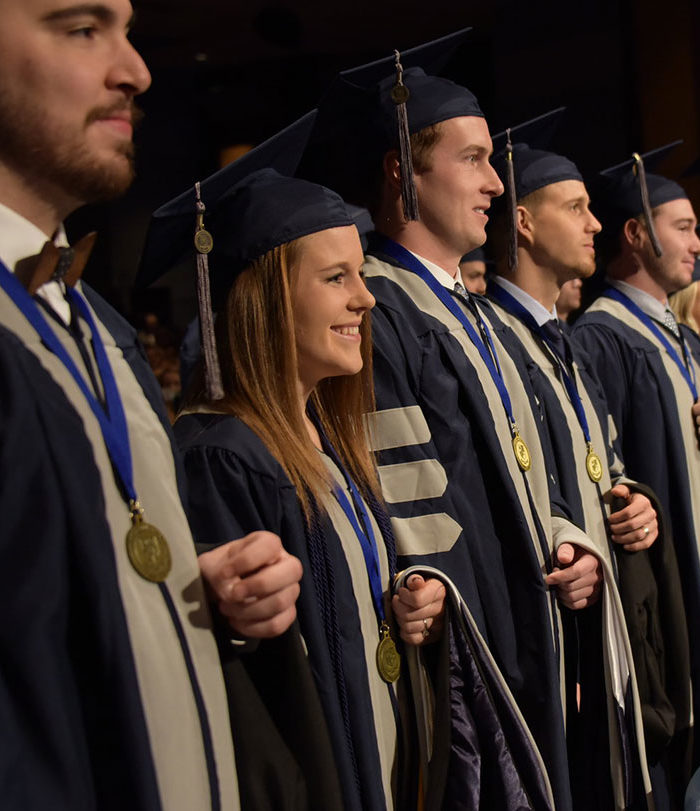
column 426, row 630
column 646, row 531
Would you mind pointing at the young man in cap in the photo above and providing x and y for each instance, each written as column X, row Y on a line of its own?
column 544, row 242
column 641, row 356
column 111, row 694
column 462, row 462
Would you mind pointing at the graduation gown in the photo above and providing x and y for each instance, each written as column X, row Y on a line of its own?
column 111, row 694
column 604, row 646
column 650, row 404
column 457, row 497
column 236, row 486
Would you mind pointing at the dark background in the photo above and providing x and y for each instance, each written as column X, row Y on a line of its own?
column 228, row 73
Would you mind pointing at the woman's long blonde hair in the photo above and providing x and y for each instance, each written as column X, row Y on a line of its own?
column 257, row 352
column 682, row 303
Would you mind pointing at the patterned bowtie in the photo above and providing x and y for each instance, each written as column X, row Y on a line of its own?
column 671, row 323
column 55, row 264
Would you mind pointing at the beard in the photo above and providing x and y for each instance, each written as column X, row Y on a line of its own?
column 60, row 156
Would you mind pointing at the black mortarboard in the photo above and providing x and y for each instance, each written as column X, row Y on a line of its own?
column 251, row 210
column 169, row 236
column 524, row 165
column 376, row 107
column 626, row 190
column 477, row 255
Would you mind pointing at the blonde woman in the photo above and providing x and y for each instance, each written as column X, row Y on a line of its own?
column 285, row 450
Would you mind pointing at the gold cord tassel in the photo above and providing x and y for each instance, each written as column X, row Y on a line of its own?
column 646, row 205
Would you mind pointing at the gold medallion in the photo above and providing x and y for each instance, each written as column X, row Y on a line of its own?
column 388, row 659
column 522, row 452
column 203, row 241
column 399, row 94
column 147, row 548
column 594, row 468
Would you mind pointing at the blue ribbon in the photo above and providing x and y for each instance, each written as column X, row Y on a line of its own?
column 686, row 369
column 363, row 527
column 515, row 308
column 490, row 358
column 111, row 419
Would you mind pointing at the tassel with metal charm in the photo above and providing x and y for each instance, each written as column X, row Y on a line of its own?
column 646, row 205
column 204, row 242
column 512, row 202
column 399, row 95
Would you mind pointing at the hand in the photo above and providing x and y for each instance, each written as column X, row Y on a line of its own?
column 635, row 526
column 255, row 584
column 696, row 418
column 577, row 577
column 415, row 602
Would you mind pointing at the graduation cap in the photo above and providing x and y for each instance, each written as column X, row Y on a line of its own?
column 626, row 190
column 253, row 207
column 385, row 102
column 524, row 166
column 477, row 255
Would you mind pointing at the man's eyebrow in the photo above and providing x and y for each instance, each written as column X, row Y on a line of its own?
column 96, row 10
column 480, row 149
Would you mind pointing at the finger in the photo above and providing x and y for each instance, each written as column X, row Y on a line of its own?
column 629, row 513
column 587, row 581
column 636, row 532
column 267, row 629
column 565, row 554
column 637, row 505
column 638, row 521
column 432, row 591
column 415, row 582
column 260, row 610
column 584, row 567
column 406, row 613
column 636, row 544
column 620, row 491
column 255, row 551
column 267, row 580
column 418, row 633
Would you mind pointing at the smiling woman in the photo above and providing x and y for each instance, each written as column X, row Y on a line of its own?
column 285, row 449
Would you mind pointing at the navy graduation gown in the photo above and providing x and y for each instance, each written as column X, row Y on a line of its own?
column 643, row 397
column 481, row 539
column 236, row 487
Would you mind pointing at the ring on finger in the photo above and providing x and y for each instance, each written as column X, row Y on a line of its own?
column 646, row 531
column 426, row 629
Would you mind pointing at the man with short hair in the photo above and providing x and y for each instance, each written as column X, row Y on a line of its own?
column 472, row 267
column 553, row 231
column 649, row 376
column 111, row 692
column 464, row 464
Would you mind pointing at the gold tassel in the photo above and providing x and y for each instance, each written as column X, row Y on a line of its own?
column 646, row 205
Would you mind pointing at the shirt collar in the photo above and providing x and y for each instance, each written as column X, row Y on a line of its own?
column 21, row 238
column 538, row 311
column 645, row 301
column 446, row 279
